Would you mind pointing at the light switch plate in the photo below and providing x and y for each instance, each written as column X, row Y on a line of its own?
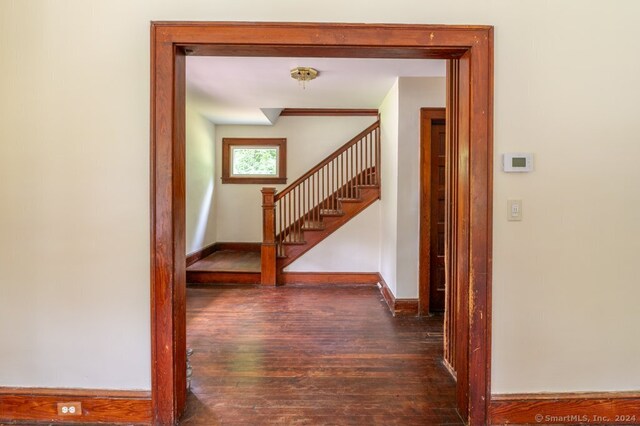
column 514, row 210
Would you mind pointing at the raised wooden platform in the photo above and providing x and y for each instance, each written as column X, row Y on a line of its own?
column 226, row 267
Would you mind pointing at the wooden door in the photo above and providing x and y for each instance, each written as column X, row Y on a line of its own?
column 436, row 260
column 432, row 210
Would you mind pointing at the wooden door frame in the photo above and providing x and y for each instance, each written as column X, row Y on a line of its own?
column 470, row 47
column 424, row 263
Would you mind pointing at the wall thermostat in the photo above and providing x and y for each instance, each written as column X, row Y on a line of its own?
column 517, row 162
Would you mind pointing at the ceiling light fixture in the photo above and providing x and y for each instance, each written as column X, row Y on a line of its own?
column 304, row 74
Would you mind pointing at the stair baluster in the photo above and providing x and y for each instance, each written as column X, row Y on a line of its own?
column 318, row 196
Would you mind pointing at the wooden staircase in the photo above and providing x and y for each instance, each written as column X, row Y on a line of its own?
column 319, row 202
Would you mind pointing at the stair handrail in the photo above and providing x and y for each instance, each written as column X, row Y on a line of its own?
column 328, row 159
column 318, row 193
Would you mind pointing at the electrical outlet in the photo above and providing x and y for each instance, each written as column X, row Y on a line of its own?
column 69, row 408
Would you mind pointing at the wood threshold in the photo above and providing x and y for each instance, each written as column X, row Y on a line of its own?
column 39, row 405
column 398, row 307
column 566, row 408
column 472, row 46
column 359, row 278
column 320, row 112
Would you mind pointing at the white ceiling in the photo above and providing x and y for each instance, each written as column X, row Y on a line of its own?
column 236, row 90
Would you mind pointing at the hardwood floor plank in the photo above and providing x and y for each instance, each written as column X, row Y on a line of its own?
column 326, row 355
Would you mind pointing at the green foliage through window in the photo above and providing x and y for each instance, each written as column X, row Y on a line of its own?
column 255, row 161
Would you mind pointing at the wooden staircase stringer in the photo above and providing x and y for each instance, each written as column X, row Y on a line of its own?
column 331, row 223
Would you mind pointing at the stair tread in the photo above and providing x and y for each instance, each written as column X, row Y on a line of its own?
column 294, row 243
column 312, row 226
column 342, row 199
column 331, row 212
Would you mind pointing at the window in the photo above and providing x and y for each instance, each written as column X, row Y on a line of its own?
column 254, row 160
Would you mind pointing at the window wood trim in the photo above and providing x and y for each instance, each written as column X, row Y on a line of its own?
column 228, row 143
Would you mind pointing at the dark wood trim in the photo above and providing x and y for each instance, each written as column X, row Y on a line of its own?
column 318, row 51
column 427, row 115
column 254, row 247
column 323, row 112
column 462, row 243
column 227, row 143
column 406, row 308
column 85, row 393
column 566, row 408
column 254, row 181
column 480, row 216
column 335, row 154
column 398, row 307
column 452, row 330
column 222, row 277
column 486, row 286
column 168, row 204
column 472, row 45
column 268, row 256
column 364, row 278
column 98, row 406
column 193, row 257
column 387, row 295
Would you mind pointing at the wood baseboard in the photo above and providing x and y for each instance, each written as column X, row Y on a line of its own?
column 227, row 277
column 40, row 405
column 255, row 247
column 200, row 254
column 398, row 307
column 366, row 278
column 600, row 408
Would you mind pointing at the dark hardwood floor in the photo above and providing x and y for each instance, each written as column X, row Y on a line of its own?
column 299, row 355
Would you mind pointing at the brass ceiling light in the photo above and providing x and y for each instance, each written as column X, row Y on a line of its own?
column 304, row 74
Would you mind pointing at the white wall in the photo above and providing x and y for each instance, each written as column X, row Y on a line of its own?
column 309, row 140
column 389, row 119
column 201, row 143
column 400, row 116
column 415, row 93
column 74, row 184
column 355, row 247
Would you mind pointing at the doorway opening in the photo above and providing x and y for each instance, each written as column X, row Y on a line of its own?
column 469, row 51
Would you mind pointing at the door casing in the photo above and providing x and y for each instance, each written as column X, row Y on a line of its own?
column 469, row 51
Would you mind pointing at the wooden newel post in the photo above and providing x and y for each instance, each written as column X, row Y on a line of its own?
column 268, row 250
